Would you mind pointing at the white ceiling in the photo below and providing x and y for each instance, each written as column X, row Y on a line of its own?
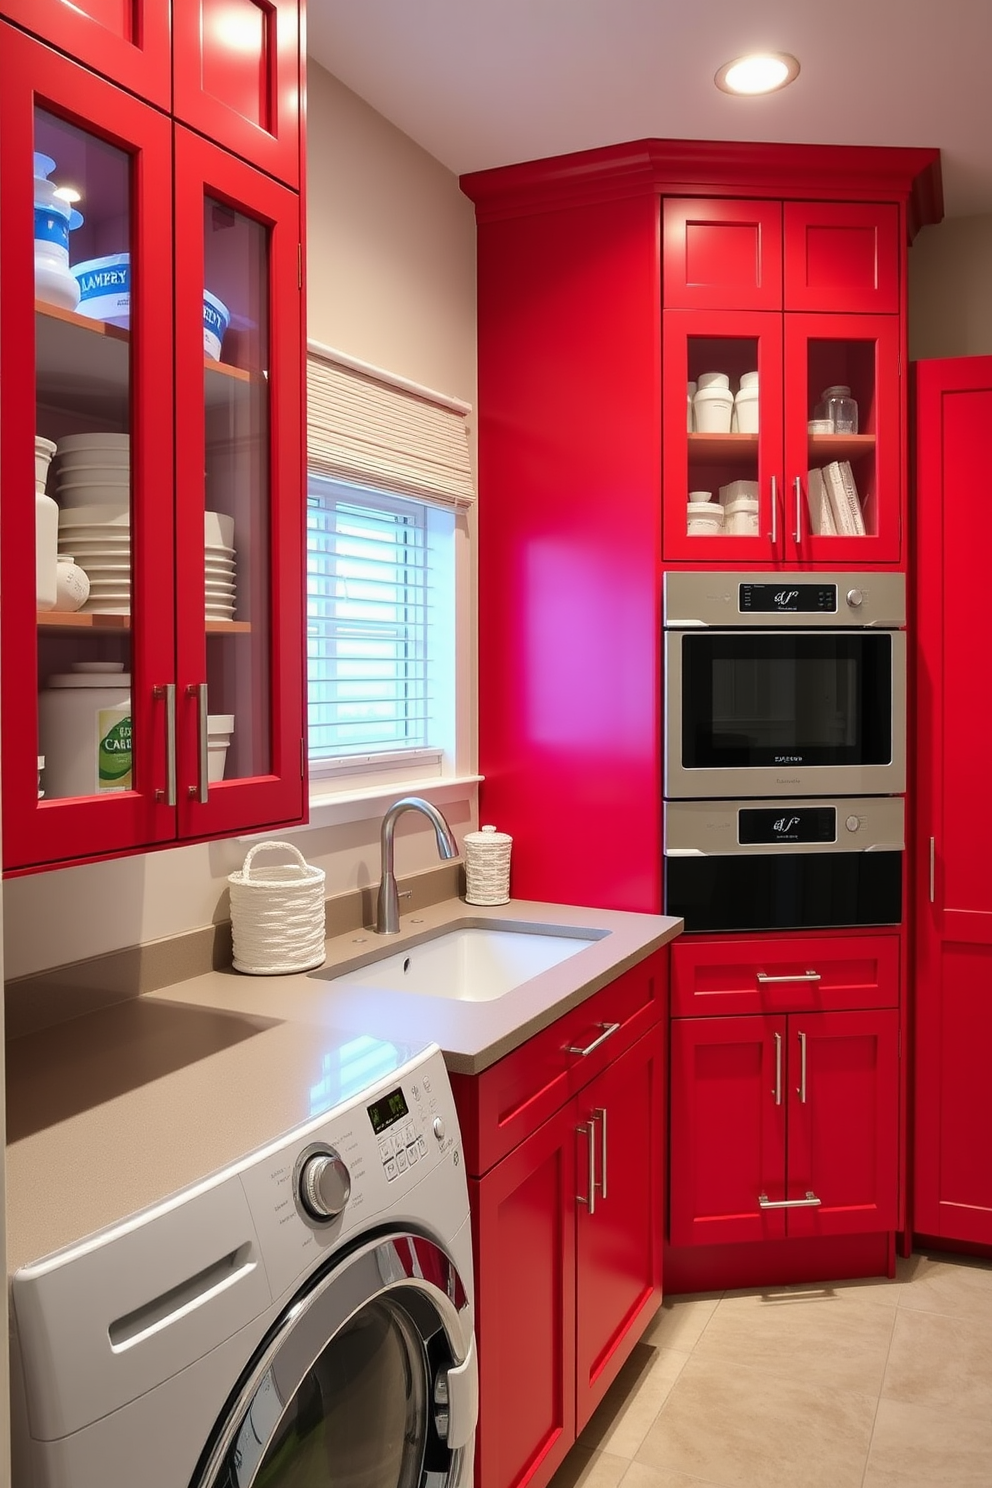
column 481, row 83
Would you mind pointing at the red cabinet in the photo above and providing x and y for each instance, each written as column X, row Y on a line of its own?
column 952, row 1119
column 586, row 460
column 784, row 1127
column 190, row 528
column 567, row 1201
column 227, row 68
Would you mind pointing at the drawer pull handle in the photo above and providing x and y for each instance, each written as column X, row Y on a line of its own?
column 589, row 1132
column 809, row 1202
column 797, row 976
column 801, row 1092
column 778, row 1069
column 167, row 690
column 609, row 1029
column 600, row 1115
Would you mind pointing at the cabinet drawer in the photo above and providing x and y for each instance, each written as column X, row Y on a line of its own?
column 722, row 254
column 842, row 256
column 714, row 978
column 500, row 1106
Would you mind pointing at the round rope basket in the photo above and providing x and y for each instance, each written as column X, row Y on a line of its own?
column 277, row 915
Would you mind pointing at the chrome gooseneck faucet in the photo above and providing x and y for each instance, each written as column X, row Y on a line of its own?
column 387, row 914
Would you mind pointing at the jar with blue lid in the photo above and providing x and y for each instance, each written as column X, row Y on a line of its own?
column 54, row 219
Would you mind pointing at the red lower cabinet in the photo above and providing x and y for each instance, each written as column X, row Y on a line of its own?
column 567, row 1230
column 784, row 1126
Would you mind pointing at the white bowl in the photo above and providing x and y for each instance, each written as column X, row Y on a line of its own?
column 94, row 475
column 105, row 515
column 218, row 550
column 218, row 528
column 100, row 441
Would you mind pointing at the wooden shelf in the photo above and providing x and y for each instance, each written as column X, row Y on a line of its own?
column 86, row 322
column 840, row 446
column 719, row 449
column 93, row 620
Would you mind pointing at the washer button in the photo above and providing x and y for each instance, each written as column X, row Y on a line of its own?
column 401, row 1160
column 390, row 1169
column 421, row 1146
column 439, row 1128
column 852, row 824
column 412, row 1155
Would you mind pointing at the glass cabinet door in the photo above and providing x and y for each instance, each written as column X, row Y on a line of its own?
column 240, row 500
column 844, row 496
column 722, row 435
column 86, row 410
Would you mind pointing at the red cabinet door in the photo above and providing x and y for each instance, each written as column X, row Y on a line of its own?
column 843, row 256
column 952, row 1197
column 65, row 372
column 127, row 41
column 843, row 1104
column 523, row 1225
column 237, row 78
column 239, row 466
column 700, row 462
column 861, row 352
column 619, row 1236
column 728, row 1113
column 722, row 254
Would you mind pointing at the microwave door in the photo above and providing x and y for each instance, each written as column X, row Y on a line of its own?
column 770, row 712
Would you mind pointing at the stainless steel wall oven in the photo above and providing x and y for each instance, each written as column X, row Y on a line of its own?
column 784, row 684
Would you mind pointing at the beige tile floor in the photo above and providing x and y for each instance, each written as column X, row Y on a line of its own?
column 871, row 1384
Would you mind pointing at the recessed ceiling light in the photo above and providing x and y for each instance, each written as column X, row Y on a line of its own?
column 762, row 72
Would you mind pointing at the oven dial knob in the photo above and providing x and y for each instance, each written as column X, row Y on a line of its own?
column 852, row 824
column 855, row 598
column 325, row 1185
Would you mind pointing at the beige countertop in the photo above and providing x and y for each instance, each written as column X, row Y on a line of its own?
column 114, row 1111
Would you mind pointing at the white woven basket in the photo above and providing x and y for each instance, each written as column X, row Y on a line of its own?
column 277, row 915
column 487, row 866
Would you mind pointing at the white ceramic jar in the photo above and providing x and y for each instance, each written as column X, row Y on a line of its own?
column 741, row 518
column 704, row 519
column 746, row 409
column 54, row 219
column 72, row 584
column 711, row 409
column 46, row 549
column 84, row 730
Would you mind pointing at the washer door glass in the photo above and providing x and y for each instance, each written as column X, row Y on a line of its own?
column 358, row 1419
column 351, row 1385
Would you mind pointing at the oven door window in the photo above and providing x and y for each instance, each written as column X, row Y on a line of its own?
column 811, row 698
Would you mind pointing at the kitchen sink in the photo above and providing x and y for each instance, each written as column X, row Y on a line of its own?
column 472, row 964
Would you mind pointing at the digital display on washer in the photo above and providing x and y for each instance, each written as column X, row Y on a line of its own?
column 761, row 825
column 787, row 599
column 387, row 1109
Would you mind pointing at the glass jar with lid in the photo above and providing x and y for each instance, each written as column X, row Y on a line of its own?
column 837, row 406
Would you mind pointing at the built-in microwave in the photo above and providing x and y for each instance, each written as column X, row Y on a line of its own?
column 784, row 684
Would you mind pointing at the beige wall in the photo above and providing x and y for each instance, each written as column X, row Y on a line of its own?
column 391, row 280
column 950, row 289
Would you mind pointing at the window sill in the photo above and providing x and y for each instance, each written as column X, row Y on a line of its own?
column 368, row 803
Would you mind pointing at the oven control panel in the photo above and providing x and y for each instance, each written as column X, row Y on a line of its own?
column 728, row 599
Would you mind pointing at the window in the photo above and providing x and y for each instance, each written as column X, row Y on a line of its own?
column 380, row 627
column 389, row 490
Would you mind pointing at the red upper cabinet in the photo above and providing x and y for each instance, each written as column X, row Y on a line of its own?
column 842, row 256
column 158, row 405
column 128, row 41
column 237, row 78
column 722, row 255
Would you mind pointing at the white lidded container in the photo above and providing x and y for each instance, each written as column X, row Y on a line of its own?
column 54, row 219
column 704, row 519
column 711, row 409
column 742, row 517
column 746, row 409
column 84, row 730
column 487, row 866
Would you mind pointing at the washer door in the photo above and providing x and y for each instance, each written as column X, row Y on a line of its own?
column 368, row 1380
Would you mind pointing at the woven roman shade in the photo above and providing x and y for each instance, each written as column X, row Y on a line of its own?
column 373, row 430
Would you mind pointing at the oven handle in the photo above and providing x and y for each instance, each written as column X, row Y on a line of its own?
column 798, row 976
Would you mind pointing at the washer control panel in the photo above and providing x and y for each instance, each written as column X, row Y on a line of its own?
column 407, row 1126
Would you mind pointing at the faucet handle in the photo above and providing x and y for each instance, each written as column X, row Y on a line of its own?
column 404, row 894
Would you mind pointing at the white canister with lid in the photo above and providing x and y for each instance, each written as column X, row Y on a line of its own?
column 487, row 866
column 704, row 519
column 742, row 517
column 46, row 550
column 84, row 730
column 746, row 409
column 711, row 409
column 54, row 219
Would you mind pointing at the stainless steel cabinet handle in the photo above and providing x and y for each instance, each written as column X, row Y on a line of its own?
column 933, row 869
column 778, row 1069
column 600, row 1115
column 609, row 1029
column 774, row 511
column 589, row 1132
column 201, row 791
column 799, row 508
column 167, row 690
column 801, row 1091
column 809, row 1202
column 797, row 976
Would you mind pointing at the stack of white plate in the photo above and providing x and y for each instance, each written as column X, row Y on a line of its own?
column 93, row 470
column 99, row 538
column 218, row 562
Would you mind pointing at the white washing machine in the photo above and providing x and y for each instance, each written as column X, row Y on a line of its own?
column 303, row 1317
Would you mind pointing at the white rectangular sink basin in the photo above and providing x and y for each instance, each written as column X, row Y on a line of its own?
column 471, row 964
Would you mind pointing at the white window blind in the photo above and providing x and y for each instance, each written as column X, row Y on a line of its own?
column 375, row 431
column 378, row 603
